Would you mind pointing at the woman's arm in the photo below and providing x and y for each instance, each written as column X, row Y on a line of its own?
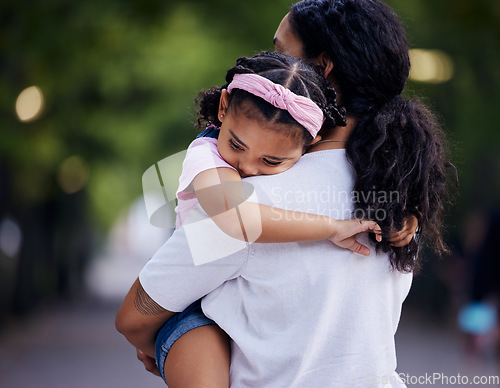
column 139, row 319
column 221, row 194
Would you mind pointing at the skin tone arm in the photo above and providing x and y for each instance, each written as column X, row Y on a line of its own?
column 201, row 357
column 221, row 194
column 139, row 319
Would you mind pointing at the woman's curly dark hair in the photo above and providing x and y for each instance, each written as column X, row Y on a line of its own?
column 290, row 72
column 397, row 146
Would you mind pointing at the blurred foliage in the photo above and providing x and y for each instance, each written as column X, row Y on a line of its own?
column 119, row 80
column 469, row 31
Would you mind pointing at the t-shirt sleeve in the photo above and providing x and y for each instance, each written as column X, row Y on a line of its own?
column 202, row 155
column 194, row 261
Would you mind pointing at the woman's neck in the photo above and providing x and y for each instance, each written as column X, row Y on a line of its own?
column 335, row 138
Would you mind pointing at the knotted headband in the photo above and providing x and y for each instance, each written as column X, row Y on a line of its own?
column 301, row 108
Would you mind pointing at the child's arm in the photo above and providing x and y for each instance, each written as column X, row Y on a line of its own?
column 221, row 194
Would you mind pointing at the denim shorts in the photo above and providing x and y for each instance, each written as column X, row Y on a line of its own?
column 189, row 319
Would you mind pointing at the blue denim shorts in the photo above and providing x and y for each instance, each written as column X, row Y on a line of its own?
column 189, row 319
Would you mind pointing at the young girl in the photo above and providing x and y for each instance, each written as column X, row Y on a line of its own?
column 260, row 123
column 256, row 126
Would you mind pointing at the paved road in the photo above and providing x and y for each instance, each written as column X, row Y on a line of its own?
column 76, row 346
column 428, row 349
column 70, row 347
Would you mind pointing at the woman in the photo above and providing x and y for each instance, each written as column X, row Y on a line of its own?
column 302, row 315
column 362, row 50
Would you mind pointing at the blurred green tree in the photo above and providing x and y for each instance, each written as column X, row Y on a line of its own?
column 118, row 80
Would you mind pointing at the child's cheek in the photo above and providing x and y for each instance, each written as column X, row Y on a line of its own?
column 288, row 165
column 280, row 169
column 226, row 155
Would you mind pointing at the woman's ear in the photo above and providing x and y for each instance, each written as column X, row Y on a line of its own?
column 223, row 104
column 326, row 64
column 315, row 140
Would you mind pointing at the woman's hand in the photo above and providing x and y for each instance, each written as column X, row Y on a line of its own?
column 404, row 236
column 345, row 232
column 149, row 362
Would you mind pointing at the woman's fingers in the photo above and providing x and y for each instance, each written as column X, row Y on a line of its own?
column 397, row 239
column 396, row 236
column 403, row 237
column 149, row 363
column 403, row 242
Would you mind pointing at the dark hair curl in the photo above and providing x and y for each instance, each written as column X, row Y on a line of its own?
column 290, row 72
column 397, row 145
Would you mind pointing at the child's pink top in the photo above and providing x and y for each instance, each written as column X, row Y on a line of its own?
column 202, row 155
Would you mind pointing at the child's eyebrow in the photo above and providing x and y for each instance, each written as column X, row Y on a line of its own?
column 237, row 139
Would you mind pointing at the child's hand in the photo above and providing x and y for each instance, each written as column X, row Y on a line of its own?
column 346, row 230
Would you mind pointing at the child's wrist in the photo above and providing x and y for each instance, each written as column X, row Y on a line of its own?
column 332, row 227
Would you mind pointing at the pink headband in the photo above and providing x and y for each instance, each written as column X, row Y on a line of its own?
column 301, row 108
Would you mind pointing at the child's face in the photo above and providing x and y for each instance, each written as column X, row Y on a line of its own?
column 253, row 148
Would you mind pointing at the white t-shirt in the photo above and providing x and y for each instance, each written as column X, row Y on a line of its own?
column 299, row 314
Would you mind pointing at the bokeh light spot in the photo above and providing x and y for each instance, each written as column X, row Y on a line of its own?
column 431, row 66
column 30, row 104
column 10, row 237
column 73, row 174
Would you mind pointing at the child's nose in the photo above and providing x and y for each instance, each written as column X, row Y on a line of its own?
column 247, row 169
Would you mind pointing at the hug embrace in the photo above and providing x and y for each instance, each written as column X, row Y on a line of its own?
column 313, row 296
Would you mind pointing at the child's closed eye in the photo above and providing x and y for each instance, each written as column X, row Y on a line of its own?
column 271, row 163
column 235, row 146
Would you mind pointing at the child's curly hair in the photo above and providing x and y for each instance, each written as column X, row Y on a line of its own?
column 289, row 72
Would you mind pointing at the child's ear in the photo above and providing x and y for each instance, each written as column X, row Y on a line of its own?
column 223, row 103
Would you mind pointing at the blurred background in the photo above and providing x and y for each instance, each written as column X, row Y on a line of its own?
column 92, row 93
